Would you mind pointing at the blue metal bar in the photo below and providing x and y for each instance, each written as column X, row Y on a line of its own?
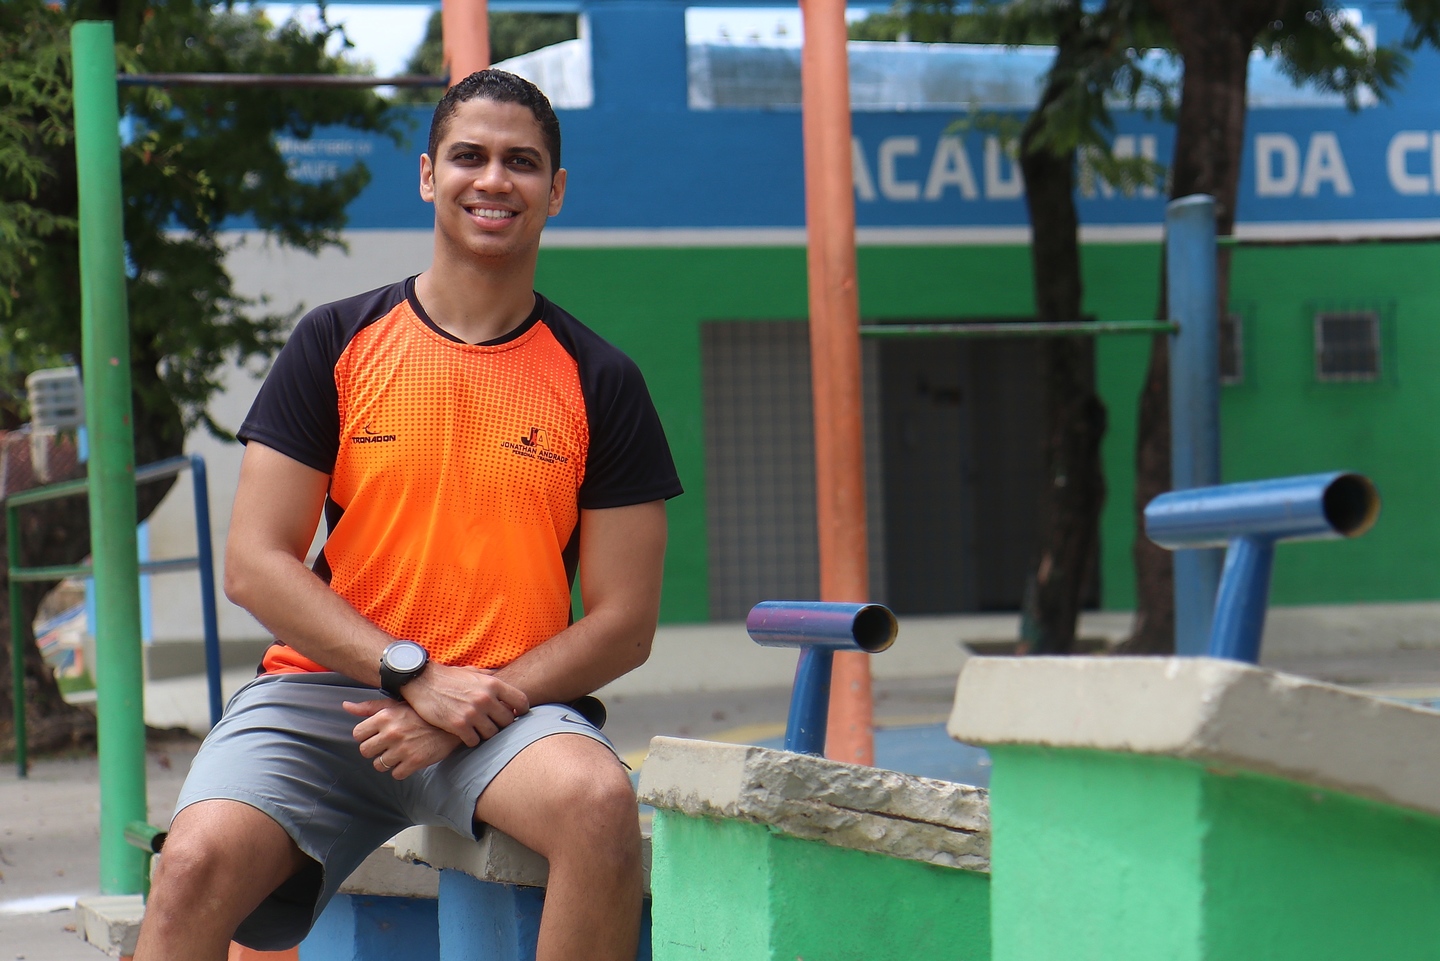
column 1194, row 398
column 1338, row 504
column 806, row 725
column 1244, row 593
column 168, row 467
column 201, row 487
column 837, row 625
column 818, row 628
column 1252, row 517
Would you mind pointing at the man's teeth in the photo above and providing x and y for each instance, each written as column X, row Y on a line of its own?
column 493, row 214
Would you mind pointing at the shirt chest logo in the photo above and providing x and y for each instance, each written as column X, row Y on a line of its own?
column 368, row 436
column 535, row 444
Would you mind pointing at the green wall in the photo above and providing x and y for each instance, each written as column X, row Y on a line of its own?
column 1279, row 421
column 1115, row 857
column 728, row 890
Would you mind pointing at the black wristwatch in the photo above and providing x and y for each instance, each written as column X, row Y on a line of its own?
column 401, row 663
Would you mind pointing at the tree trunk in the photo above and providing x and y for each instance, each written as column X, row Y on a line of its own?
column 1214, row 38
column 1073, row 414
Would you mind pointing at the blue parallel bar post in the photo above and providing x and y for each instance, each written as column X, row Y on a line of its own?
column 1244, row 592
column 809, row 702
column 1194, row 400
column 206, row 562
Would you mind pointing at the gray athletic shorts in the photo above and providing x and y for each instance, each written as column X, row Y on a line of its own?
column 285, row 747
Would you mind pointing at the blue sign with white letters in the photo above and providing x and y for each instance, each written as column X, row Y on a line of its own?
column 645, row 165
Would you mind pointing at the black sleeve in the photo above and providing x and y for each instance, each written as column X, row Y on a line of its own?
column 297, row 411
column 629, row 460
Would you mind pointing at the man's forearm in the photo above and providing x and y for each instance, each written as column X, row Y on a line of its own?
column 300, row 609
column 581, row 659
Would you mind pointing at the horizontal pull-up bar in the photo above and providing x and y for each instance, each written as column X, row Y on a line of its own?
column 274, row 80
column 1022, row 328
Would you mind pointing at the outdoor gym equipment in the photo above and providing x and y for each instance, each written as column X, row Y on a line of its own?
column 203, row 562
column 1194, row 329
column 819, row 629
column 1251, row 518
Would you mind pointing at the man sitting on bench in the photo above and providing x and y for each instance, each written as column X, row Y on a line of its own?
column 469, row 444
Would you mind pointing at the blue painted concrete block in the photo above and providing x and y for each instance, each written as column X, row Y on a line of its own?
column 369, row 928
column 486, row 921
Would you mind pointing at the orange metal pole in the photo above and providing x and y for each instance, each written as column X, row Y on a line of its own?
column 465, row 29
column 835, row 360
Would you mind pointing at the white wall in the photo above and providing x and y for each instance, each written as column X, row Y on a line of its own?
column 289, row 279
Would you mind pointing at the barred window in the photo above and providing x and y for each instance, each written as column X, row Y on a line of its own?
column 1347, row 346
column 1232, row 349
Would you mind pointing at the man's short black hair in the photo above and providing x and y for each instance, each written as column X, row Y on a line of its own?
column 501, row 87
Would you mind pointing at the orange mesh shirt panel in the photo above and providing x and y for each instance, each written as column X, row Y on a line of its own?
column 458, row 472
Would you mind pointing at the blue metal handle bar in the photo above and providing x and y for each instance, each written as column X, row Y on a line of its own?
column 1251, row 518
column 818, row 628
column 168, row 467
column 1337, row 504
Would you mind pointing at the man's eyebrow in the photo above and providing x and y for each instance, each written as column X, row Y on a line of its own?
column 464, row 146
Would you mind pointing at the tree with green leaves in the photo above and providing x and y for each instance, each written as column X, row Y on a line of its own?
column 1099, row 58
column 194, row 160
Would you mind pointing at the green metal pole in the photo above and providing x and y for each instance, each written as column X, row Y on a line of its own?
column 105, row 331
column 17, row 645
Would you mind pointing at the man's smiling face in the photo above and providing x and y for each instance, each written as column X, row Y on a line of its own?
column 491, row 181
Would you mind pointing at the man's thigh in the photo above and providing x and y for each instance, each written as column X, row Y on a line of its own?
column 562, row 790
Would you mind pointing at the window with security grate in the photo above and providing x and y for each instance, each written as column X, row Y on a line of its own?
column 1347, row 346
column 1232, row 349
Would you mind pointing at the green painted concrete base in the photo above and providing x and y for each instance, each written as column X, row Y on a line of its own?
column 1114, row 857
column 735, row 891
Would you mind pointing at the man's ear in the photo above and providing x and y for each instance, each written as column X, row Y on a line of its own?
column 427, row 179
column 557, row 192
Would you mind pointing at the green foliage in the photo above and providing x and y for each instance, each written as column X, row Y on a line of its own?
column 1316, row 43
column 511, row 34
column 34, row 97
column 933, row 21
column 196, row 158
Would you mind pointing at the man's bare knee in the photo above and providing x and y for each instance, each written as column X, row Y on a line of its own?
column 595, row 810
column 564, row 794
column 223, row 850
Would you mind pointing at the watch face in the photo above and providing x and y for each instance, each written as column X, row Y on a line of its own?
column 405, row 658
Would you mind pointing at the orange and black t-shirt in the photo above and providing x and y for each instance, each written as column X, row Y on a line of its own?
column 458, row 471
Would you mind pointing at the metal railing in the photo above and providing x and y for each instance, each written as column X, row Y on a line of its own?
column 203, row 562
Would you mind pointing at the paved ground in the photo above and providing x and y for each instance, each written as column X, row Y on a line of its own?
column 48, row 834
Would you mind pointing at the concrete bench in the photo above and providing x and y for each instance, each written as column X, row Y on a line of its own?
column 762, row 854
column 1202, row 810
